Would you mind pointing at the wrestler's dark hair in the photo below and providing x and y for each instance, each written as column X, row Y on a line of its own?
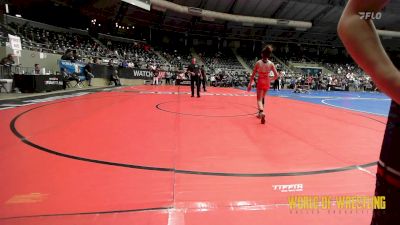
column 267, row 51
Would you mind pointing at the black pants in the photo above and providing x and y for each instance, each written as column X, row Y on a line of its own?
column 203, row 82
column 391, row 157
column 167, row 80
column 276, row 85
column 65, row 82
column 195, row 79
column 390, row 215
column 329, row 87
column 89, row 80
column 116, row 81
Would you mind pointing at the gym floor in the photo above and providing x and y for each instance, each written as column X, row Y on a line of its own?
column 154, row 155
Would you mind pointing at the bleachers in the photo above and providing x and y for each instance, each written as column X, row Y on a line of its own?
column 56, row 41
column 3, row 35
column 179, row 58
column 47, row 40
column 136, row 52
column 224, row 60
column 221, row 63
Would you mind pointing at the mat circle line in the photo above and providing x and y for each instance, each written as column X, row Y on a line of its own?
column 26, row 141
column 158, row 106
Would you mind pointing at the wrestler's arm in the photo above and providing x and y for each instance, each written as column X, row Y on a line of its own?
column 252, row 76
column 362, row 42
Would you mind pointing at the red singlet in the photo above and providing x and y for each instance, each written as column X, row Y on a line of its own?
column 263, row 70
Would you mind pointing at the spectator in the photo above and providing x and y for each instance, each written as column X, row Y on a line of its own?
column 110, row 63
column 68, row 55
column 330, row 83
column 65, row 77
column 124, row 64
column 213, row 81
column 88, row 73
column 8, row 60
column 36, row 70
column 115, row 78
column 276, row 84
column 75, row 56
column 68, row 77
column 155, row 71
column 168, row 76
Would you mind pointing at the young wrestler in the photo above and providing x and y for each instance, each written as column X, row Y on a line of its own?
column 263, row 68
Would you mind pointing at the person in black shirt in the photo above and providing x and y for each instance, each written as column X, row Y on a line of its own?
column 8, row 60
column 361, row 40
column 194, row 72
column 68, row 55
column 88, row 73
column 276, row 82
column 65, row 77
column 113, row 74
column 203, row 77
column 36, row 70
column 75, row 56
column 115, row 78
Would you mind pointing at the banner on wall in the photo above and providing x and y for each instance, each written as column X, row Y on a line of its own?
column 72, row 67
column 103, row 71
column 145, row 74
column 15, row 42
column 131, row 73
column 15, row 45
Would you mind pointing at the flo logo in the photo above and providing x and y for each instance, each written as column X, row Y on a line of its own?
column 370, row 15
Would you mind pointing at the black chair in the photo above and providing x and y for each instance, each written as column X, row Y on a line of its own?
column 2, row 85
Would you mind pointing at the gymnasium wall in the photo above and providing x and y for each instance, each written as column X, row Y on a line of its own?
column 29, row 58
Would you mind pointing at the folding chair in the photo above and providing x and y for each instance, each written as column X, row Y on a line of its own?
column 2, row 83
column 80, row 83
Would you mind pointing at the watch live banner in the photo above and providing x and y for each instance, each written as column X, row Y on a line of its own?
column 104, row 71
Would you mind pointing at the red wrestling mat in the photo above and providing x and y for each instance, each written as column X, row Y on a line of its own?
column 153, row 155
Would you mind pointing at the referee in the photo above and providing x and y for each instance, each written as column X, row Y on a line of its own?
column 194, row 71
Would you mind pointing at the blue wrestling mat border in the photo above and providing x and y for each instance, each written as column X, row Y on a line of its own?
column 375, row 103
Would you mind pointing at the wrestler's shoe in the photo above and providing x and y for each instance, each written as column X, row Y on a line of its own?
column 263, row 119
